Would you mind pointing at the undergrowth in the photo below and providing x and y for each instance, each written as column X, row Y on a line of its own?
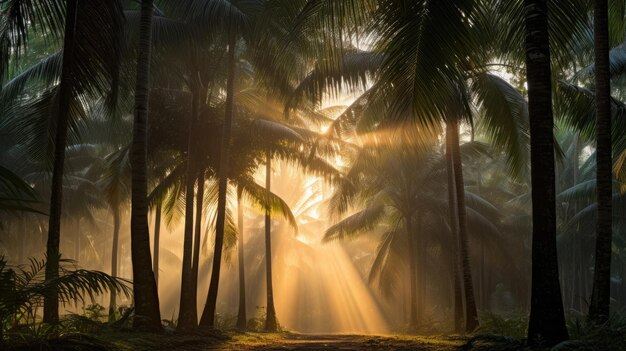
column 508, row 333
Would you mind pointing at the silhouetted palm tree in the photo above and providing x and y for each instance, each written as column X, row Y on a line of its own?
column 547, row 321
column 146, row 298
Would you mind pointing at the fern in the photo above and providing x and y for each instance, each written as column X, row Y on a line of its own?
column 23, row 287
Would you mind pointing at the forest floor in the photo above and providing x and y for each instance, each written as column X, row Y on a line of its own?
column 230, row 341
column 349, row 342
column 288, row 341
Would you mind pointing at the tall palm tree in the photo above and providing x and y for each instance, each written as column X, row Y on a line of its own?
column 51, row 301
column 195, row 262
column 208, row 315
column 453, row 219
column 601, row 293
column 146, row 298
column 547, row 321
column 79, row 72
column 156, row 244
column 242, row 320
column 471, row 314
column 116, row 191
column 188, row 314
column 271, row 325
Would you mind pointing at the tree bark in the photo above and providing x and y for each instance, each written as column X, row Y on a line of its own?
column 458, row 293
column 601, row 292
column 51, row 299
column 188, row 316
column 195, row 263
column 208, row 314
column 271, row 325
column 242, row 319
column 471, row 314
column 146, row 298
column 547, row 322
column 157, row 239
column 114, row 260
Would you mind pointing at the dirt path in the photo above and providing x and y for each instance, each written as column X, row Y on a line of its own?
column 339, row 343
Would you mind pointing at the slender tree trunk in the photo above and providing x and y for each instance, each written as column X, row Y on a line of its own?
column 458, row 292
column 242, row 319
column 601, row 292
column 271, row 325
column 114, row 260
column 420, row 240
column 410, row 234
column 195, row 263
column 208, row 315
column 471, row 315
column 51, row 299
column 146, row 297
column 188, row 316
column 547, row 321
column 77, row 242
column 157, row 239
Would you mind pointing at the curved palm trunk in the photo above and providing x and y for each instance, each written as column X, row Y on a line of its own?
column 270, row 319
column 471, row 315
column 156, row 249
column 51, row 299
column 458, row 293
column 601, row 293
column 208, row 314
column 114, row 260
column 547, row 322
column 146, row 298
column 242, row 319
column 188, row 316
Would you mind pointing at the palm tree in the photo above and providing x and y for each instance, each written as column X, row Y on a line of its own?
column 188, row 315
column 242, row 320
column 601, row 293
column 270, row 319
column 146, row 298
column 471, row 314
column 156, row 244
column 51, row 302
column 453, row 219
column 83, row 71
column 116, row 191
column 208, row 315
column 401, row 188
column 547, row 321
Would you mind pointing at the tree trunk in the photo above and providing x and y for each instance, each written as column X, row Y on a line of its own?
column 77, row 242
column 146, row 298
column 188, row 316
column 471, row 315
column 601, row 292
column 271, row 325
column 157, row 239
column 51, row 299
column 114, row 260
column 195, row 263
column 208, row 315
column 410, row 234
column 242, row 319
column 458, row 293
column 420, row 241
column 547, row 321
